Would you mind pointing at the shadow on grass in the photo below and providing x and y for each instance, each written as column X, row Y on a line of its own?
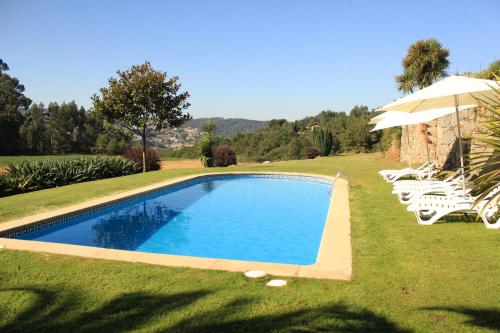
column 58, row 311
column 485, row 318
column 53, row 311
column 333, row 318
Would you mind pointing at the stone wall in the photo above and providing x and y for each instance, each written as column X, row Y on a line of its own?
column 443, row 143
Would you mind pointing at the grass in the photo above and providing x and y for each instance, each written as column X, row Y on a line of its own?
column 407, row 278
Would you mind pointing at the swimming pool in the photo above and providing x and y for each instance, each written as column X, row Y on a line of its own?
column 263, row 218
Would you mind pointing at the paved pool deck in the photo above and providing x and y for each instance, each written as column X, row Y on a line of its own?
column 334, row 260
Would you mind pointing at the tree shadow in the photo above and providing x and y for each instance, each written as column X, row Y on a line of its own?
column 63, row 311
column 332, row 318
column 49, row 311
column 485, row 318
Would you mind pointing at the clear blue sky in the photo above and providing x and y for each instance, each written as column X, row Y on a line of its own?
column 251, row 59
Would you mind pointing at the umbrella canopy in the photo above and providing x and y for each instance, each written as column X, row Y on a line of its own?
column 443, row 94
column 451, row 91
column 399, row 118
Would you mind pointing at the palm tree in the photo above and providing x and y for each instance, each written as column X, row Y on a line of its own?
column 406, row 81
column 425, row 62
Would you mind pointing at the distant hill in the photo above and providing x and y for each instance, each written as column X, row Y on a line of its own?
column 231, row 126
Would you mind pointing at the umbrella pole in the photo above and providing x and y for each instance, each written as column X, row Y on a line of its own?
column 408, row 141
column 427, row 147
column 462, row 171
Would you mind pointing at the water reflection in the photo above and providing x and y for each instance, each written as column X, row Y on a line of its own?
column 128, row 228
column 208, row 186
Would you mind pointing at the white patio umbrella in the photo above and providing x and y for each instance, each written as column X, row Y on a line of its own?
column 453, row 91
column 398, row 118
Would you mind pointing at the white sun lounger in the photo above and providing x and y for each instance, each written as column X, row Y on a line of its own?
column 414, row 183
column 447, row 189
column 420, row 173
column 409, row 190
column 430, row 208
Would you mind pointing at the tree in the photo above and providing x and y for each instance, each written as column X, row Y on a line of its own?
column 276, row 123
column 209, row 127
column 490, row 73
column 207, row 144
column 356, row 135
column 425, row 62
column 3, row 66
column 34, row 130
column 12, row 100
column 111, row 140
column 66, row 127
column 144, row 101
column 323, row 141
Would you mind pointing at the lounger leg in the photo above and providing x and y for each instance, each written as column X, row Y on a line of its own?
column 488, row 224
column 434, row 216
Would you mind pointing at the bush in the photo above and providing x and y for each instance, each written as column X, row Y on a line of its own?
column 37, row 175
column 205, row 147
column 296, row 147
column 4, row 186
column 223, row 156
column 311, row 152
column 152, row 159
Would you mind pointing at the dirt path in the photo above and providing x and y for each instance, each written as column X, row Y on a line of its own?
column 182, row 164
column 190, row 164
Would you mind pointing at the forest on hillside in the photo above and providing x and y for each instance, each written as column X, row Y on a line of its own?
column 229, row 127
column 285, row 140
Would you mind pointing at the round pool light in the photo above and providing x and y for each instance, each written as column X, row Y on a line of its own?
column 276, row 283
column 255, row 274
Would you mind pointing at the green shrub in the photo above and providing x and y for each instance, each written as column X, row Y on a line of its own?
column 224, row 156
column 37, row 175
column 206, row 146
column 153, row 161
column 4, row 186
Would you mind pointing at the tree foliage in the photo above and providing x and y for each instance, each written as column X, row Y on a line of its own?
column 35, row 130
column 425, row 62
column 287, row 140
column 323, row 141
column 490, row 73
column 207, row 144
column 12, row 102
column 144, row 101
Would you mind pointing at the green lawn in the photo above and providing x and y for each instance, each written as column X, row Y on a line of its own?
column 5, row 160
column 441, row 278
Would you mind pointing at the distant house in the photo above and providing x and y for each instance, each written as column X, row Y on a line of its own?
column 313, row 127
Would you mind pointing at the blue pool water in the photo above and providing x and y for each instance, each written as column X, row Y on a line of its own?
column 264, row 219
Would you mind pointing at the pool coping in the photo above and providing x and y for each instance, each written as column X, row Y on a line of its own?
column 334, row 259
